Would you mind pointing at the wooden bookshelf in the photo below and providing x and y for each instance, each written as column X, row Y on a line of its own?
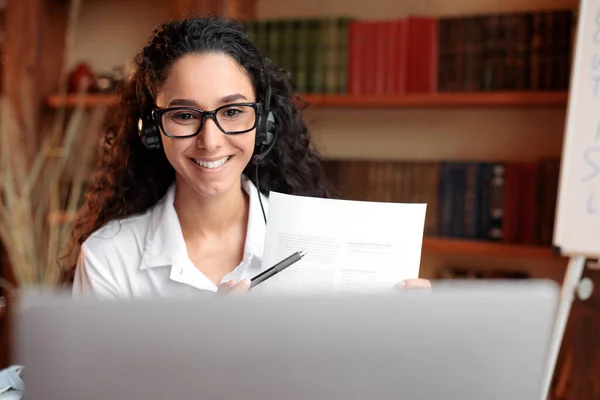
column 554, row 99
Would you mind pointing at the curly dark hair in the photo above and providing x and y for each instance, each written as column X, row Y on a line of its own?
column 131, row 178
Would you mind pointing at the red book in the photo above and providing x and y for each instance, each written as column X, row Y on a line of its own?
column 369, row 56
column 398, row 56
column 414, row 42
column 529, row 204
column 422, row 43
column 354, row 65
column 512, row 202
column 430, row 49
column 381, row 39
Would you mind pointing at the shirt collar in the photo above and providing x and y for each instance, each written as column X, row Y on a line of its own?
column 165, row 245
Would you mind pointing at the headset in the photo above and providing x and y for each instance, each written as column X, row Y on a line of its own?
column 266, row 134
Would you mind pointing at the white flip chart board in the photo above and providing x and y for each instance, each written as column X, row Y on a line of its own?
column 577, row 224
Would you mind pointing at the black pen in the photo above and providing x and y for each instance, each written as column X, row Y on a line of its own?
column 280, row 266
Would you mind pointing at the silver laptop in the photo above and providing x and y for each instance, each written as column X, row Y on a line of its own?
column 460, row 341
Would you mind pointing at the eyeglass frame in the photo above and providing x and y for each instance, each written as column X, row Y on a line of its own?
column 157, row 114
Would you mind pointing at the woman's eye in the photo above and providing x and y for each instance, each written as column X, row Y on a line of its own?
column 184, row 116
column 232, row 112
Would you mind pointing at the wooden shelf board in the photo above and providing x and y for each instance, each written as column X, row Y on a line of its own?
column 430, row 100
column 488, row 248
column 426, row 100
column 91, row 100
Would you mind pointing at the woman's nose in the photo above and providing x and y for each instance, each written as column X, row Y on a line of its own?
column 211, row 137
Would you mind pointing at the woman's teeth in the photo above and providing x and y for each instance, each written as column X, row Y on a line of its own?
column 212, row 164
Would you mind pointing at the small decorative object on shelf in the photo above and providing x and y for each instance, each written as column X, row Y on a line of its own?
column 82, row 78
column 111, row 80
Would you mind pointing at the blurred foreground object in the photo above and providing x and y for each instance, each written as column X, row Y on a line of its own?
column 470, row 340
column 11, row 384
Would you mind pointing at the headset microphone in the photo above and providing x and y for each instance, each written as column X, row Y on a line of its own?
column 266, row 136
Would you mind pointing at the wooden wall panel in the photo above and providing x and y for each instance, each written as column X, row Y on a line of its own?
column 21, row 55
column 238, row 9
column 33, row 56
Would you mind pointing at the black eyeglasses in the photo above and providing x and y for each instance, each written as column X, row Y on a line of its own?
column 185, row 122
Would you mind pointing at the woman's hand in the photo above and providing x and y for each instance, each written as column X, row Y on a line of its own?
column 234, row 286
column 414, row 284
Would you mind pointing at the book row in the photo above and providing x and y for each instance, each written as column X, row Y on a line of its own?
column 509, row 202
column 421, row 54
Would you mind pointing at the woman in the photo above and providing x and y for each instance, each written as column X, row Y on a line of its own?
column 175, row 207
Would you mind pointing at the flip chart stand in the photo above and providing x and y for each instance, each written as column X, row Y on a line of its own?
column 569, row 287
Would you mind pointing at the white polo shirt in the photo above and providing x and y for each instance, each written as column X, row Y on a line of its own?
column 145, row 255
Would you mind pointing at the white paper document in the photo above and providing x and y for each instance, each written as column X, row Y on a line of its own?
column 352, row 245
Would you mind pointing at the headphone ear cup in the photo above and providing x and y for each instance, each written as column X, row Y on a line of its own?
column 270, row 128
column 265, row 137
column 261, row 131
column 265, row 130
column 149, row 134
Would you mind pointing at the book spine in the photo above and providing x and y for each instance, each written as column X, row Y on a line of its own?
column 496, row 202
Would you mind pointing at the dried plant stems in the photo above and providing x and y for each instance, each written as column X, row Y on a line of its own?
column 30, row 195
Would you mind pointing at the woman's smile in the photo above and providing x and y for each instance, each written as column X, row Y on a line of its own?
column 214, row 165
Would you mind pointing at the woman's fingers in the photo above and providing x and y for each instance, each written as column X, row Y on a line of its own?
column 234, row 286
column 414, row 284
